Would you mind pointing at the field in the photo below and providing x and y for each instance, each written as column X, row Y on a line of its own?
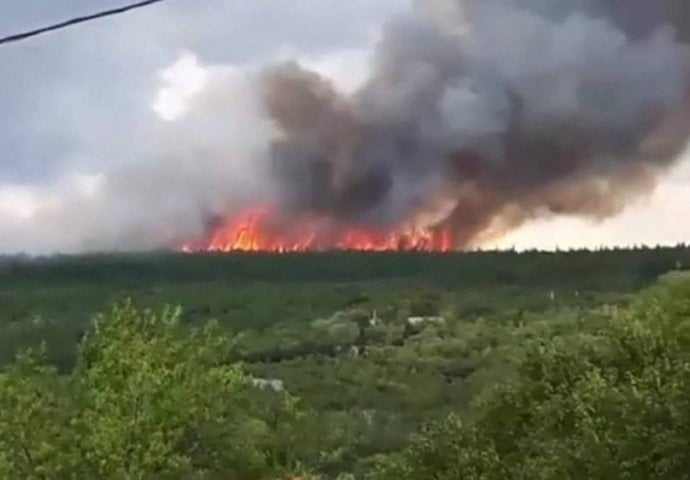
column 339, row 329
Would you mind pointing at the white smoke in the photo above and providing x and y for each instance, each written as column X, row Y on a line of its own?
column 206, row 154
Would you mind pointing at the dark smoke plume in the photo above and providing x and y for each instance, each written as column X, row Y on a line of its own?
column 505, row 110
column 475, row 115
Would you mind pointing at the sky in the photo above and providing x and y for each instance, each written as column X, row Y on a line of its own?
column 82, row 105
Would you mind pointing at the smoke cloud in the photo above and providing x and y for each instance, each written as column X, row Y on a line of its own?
column 474, row 115
column 508, row 109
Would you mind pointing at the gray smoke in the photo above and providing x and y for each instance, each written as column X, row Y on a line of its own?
column 505, row 109
column 475, row 116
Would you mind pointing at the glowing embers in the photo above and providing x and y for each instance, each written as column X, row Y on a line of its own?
column 262, row 229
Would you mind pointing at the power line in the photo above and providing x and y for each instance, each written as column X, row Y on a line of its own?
column 73, row 21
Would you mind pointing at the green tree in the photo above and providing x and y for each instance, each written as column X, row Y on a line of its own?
column 613, row 404
column 38, row 423
column 159, row 400
column 146, row 400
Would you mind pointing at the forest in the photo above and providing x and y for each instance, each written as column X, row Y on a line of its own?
column 344, row 365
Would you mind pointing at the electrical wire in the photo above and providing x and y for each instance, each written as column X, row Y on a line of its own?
column 74, row 21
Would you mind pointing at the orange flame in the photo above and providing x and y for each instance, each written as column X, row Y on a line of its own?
column 261, row 229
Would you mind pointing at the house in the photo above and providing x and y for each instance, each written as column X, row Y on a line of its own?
column 277, row 386
column 423, row 321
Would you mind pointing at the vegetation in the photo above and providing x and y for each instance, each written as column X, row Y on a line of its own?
column 481, row 366
column 613, row 403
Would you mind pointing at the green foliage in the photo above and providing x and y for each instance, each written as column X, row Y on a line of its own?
column 611, row 404
column 513, row 381
column 53, row 299
column 445, row 450
column 145, row 401
column 39, row 427
column 159, row 401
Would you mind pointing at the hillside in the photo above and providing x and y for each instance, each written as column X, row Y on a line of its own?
column 372, row 345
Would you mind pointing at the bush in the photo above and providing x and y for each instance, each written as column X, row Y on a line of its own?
column 612, row 404
column 146, row 400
